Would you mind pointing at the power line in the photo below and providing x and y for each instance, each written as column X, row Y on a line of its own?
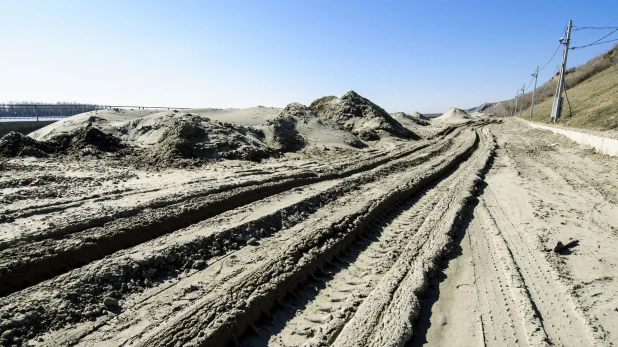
column 529, row 84
column 597, row 28
column 597, row 41
column 592, row 31
column 594, row 44
column 552, row 57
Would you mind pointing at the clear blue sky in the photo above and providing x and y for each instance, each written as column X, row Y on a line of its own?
column 403, row 55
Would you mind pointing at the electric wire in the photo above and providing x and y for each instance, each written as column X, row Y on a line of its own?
column 596, row 28
column 552, row 57
column 593, row 44
column 529, row 84
column 597, row 41
column 592, row 31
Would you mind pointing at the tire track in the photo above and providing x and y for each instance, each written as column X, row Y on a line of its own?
column 79, row 244
column 386, row 316
column 508, row 311
column 316, row 316
column 297, row 260
column 563, row 324
column 62, row 310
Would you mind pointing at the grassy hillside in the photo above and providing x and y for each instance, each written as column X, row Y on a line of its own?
column 594, row 103
column 592, row 91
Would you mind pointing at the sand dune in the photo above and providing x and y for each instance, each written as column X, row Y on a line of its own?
column 453, row 115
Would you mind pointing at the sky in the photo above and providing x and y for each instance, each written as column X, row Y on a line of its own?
column 405, row 56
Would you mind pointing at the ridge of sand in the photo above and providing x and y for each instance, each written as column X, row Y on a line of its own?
column 103, row 120
column 454, row 115
column 360, row 116
column 297, row 127
column 413, row 120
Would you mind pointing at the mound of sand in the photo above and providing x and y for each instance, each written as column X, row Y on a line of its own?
column 80, row 142
column 87, row 140
column 360, row 116
column 419, row 115
column 104, row 120
column 256, row 133
column 453, row 115
column 163, row 135
column 297, row 127
column 412, row 120
column 15, row 144
column 252, row 116
column 170, row 135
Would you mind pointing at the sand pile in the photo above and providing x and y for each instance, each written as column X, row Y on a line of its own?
column 454, row 115
column 252, row 116
column 84, row 141
column 104, row 120
column 87, row 140
column 360, row 116
column 15, row 144
column 170, row 135
column 297, row 127
column 419, row 115
column 410, row 120
column 155, row 136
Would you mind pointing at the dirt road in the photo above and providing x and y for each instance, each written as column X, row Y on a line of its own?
column 443, row 241
column 504, row 280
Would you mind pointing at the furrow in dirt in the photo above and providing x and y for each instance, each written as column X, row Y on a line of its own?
column 33, row 262
column 518, row 317
column 561, row 321
column 316, row 313
column 133, row 270
column 386, row 316
column 66, row 224
column 207, row 321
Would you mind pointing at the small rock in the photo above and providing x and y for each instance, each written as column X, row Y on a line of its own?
column 252, row 242
column 559, row 246
column 110, row 302
column 198, row 264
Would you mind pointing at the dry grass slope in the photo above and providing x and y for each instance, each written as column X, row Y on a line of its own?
column 592, row 92
column 594, row 103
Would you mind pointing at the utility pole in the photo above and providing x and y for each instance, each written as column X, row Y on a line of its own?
column 536, row 76
column 516, row 102
column 557, row 107
column 521, row 107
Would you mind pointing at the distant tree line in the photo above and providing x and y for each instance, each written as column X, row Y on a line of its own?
column 44, row 110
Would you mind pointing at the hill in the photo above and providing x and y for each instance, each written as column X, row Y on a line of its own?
column 593, row 103
column 360, row 116
column 453, row 115
column 592, row 90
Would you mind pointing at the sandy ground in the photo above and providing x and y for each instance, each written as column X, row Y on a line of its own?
column 506, row 273
column 446, row 239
